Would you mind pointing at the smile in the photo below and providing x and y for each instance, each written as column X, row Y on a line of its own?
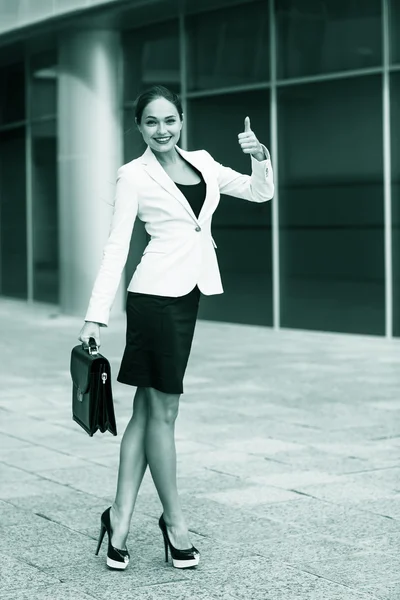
column 162, row 140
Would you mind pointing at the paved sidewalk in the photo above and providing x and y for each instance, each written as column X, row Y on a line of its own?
column 289, row 468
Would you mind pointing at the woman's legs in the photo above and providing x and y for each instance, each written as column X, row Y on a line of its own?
column 132, row 467
column 161, row 455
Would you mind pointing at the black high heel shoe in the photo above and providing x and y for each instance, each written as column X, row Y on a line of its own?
column 116, row 559
column 181, row 559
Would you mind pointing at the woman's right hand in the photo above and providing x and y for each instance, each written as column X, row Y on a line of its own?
column 89, row 330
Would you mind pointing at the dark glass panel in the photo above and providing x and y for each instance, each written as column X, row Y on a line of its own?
column 331, row 206
column 45, row 212
column 394, row 31
column 241, row 229
column 395, row 137
column 13, row 249
column 228, row 47
column 322, row 36
column 133, row 142
column 12, row 93
column 151, row 57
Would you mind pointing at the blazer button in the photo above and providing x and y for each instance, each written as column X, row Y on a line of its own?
column 198, row 228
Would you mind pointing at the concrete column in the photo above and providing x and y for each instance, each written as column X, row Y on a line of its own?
column 89, row 154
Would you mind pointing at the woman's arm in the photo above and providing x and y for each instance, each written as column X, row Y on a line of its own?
column 115, row 251
column 257, row 187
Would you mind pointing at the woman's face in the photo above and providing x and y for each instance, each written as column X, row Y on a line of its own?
column 160, row 125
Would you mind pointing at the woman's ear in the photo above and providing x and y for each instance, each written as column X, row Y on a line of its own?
column 182, row 117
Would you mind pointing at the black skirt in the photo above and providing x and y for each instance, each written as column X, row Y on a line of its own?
column 159, row 335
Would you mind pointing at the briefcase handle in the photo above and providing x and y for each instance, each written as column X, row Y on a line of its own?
column 92, row 346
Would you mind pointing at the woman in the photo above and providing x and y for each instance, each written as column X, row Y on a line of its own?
column 175, row 194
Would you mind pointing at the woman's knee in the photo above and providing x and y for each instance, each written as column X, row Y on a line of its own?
column 162, row 406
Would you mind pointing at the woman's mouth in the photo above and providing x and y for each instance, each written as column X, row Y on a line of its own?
column 163, row 140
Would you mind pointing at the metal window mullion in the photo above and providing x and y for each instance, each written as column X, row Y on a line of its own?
column 231, row 89
column 262, row 85
column 334, row 76
column 274, row 159
column 183, row 77
column 14, row 125
column 28, row 187
column 387, row 175
column 43, row 119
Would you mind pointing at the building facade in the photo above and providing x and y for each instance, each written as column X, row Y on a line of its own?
column 320, row 80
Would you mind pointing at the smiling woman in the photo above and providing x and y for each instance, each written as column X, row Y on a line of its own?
column 160, row 129
column 159, row 116
column 175, row 193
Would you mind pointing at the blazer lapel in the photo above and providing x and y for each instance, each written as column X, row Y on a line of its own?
column 156, row 171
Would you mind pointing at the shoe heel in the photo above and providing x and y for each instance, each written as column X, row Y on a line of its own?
column 181, row 559
column 101, row 537
column 166, row 548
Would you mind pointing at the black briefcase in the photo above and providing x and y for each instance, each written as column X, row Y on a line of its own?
column 92, row 400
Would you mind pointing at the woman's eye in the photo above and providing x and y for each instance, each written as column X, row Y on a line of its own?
column 152, row 123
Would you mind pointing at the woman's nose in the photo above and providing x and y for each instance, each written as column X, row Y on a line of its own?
column 161, row 128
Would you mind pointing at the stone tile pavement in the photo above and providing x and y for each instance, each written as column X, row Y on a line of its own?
column 289, row 468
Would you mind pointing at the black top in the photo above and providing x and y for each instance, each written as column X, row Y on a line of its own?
column 195, row 194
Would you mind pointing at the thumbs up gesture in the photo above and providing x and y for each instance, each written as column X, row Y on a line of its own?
column 249, row 143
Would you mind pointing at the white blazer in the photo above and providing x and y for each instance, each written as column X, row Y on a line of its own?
column 181, row 252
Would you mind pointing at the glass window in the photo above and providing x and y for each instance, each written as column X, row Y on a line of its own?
column 395, row 137
column 151, row 56
column 394, row 24
column 228, row 47
column 43, row 92
column 13, row 251
column 331, row 206
column 133, row 142
column 45, row 212
column 241, row 229
column 12, row 93
column 321, row 36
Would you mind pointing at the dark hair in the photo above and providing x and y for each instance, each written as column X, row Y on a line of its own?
column 156, row 91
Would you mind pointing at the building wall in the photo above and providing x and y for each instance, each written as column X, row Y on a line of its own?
column 318, row 256
column 16, row 14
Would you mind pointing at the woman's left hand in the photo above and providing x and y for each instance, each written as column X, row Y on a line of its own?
column 249, row 143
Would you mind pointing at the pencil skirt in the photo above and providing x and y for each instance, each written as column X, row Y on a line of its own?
column 159, row 335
